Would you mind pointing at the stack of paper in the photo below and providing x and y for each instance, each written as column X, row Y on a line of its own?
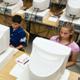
column 53, row 18
column 20, row 66
column 23, row 59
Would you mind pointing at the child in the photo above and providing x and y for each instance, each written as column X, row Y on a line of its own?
column 65, row 37
column 17, row 34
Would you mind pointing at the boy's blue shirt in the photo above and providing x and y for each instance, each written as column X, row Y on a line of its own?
column 17, row 37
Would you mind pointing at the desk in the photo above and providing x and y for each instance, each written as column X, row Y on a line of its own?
column 42, row 28
column 4, row 73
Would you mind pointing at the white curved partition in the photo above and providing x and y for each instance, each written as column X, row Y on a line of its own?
column 48, row 60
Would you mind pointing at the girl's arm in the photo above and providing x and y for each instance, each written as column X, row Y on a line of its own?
column 73, row 59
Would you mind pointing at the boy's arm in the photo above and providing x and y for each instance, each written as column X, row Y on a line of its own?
column 23, row 40
column 20, row 47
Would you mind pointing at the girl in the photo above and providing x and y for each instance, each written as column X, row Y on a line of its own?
column 65, row 37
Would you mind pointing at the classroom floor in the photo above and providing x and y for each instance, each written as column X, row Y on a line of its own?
column 75, row 68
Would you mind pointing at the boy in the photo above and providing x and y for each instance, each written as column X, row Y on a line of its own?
column 17, row 34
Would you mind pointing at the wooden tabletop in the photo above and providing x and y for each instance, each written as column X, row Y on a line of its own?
column 4, row 73
column 47, row 21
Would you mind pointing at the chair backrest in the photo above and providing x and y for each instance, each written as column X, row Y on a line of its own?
column 27, row 36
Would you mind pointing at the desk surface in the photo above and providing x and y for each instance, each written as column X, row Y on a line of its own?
column 4, row 73
column 53, row 23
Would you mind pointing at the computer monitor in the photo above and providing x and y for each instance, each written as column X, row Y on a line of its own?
column 10, row 2
column 60, row 2
column 4, row 38
column 41, row 4
column 48, row 60
column 73, row 9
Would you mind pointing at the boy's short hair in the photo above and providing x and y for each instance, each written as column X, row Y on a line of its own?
column 17, row 19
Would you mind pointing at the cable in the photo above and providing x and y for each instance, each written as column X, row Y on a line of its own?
column 5, row 9
column 29, row 19
column 31, row 14
column 4, row 12
column 37, row 9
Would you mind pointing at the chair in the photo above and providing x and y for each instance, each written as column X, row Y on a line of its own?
column 27, row 37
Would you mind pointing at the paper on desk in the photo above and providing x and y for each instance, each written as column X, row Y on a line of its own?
column 23, row 59
column 15, row 50
column 16, row 71
column 6, row 56
column 53, row 18
column 20, row 66
column 66, row 74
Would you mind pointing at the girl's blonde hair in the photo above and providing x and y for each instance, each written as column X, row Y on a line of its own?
column 70, row 27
